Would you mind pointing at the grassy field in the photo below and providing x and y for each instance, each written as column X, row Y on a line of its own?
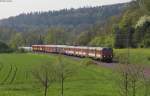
column 136, row 56
column 86, row 81
column 89, row 80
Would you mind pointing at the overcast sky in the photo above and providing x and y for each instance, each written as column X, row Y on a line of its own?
column 16, row 7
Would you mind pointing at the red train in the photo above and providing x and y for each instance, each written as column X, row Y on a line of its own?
column 101, row 53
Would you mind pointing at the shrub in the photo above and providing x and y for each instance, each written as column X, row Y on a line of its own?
column 87, row 62
column 4, row 48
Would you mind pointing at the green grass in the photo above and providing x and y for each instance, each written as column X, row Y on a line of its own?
column 86, row 81
column 91, row 80
column 137, row 56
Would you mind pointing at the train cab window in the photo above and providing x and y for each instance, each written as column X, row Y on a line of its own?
column 107, row 51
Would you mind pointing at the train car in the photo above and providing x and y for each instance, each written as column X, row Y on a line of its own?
column 27, row 49
column 100, row 53
column 49, row 48
column 104, row 54
column 35, row 48
column 107, row 54
column 81, row 51
column 70, row 50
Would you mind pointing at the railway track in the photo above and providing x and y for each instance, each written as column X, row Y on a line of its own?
column 113, row 65
column 105, row 64
column 116, row 66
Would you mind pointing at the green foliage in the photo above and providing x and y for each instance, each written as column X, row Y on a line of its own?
column 6, row 33
column 17, row 41
column 146, row 42
column 55, row 36
column 64, row 18
column 103, row 41
column 83, row 38
column 4, row 48
column 67, row 26
column 87, row 62
column 32, row 37
column 142, row 33
column 144, row 5
column 142, row 21
column 132, row 28
column 130, row 16
column 83, row 26
column 21, row 50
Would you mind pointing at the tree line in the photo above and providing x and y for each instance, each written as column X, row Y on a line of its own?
column 126, row 28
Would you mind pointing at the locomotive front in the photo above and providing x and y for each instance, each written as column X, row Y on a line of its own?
column 107, row 54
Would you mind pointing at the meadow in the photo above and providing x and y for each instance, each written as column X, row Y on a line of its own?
column 86, row 80
column 136, row 56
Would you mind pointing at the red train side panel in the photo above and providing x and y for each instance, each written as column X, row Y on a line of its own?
column 105, row 54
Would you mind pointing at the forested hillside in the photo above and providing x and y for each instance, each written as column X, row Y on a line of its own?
column 66, row 26
column 68, row 18
column 133, row 29
column 118, row 26
column 130, row 29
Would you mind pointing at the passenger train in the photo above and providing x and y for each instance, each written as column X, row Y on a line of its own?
column 99, row 53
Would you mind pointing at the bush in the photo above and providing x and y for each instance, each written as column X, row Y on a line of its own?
column 148, row 58
column 21, row 50
column 4, row 48
column 106, row 41
column 121, row 58
column 87, row 62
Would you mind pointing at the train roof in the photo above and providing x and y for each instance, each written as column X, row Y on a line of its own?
column 67, row 46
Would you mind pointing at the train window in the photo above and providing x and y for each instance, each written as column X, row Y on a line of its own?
column 107, row 49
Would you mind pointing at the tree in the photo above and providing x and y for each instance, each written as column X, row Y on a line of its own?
column 45, row 75
column 6, row 34
column 144, row 5
column 55, row 36
column 83, row 39
column 32, row 38
column 142, row 33
column 103, row 41
column 64, row 71
column 131, row 80
column 17, row 40
column 67, row 17
column 4, row 48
